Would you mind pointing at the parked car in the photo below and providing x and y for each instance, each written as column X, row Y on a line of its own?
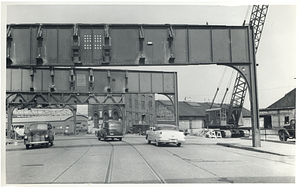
column 17, row 131
column 111, row 129
column 165, row 133
column 288, row 131
column 39, row 134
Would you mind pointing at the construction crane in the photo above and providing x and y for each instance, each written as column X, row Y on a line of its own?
column 228, row 118
column 257, row 20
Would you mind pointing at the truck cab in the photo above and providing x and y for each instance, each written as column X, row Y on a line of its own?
column 288, row 131
column 111, row 129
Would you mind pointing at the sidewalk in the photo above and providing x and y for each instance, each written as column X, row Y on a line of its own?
column 271, row 145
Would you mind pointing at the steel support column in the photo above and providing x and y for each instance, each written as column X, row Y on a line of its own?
column 10, row 110
column 249, row 74
column 176, row 101
column 253, row 94
column 254, row 106
column 74, row 117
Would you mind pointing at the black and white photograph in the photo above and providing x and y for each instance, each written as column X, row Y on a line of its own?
column 141, row 93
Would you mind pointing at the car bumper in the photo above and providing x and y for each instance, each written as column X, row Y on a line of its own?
column 35, row 143
column 171, row 141
column 114, row 136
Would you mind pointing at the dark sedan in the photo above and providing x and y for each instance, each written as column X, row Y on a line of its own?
column 39, row 134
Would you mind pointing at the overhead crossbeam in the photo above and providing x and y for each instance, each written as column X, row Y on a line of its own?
column 82, row 81
column 126, row 45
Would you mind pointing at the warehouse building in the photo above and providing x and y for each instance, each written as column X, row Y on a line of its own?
column 191, row 115
column 279, row 113
column 60, row 124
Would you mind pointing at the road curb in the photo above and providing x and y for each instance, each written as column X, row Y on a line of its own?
column 248, row 148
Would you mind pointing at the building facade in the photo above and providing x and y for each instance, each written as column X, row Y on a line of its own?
column 137, row 114
column 279, row 113
column 99, row 112
column 60, row 124
column 140, row 112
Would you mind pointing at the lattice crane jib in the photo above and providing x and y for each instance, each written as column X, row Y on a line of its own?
column 257, row 20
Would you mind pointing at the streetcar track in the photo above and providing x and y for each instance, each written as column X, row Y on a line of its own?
column 156, row 174
column 110, row 165
column 91, row 145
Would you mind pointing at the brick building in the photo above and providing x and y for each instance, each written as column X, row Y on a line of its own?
column 137, row 114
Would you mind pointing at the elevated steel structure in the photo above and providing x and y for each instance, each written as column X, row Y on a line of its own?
column 43, row 87
column 92, row 45
column 257, row 21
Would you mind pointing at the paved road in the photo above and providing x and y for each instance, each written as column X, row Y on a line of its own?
column 83, row 159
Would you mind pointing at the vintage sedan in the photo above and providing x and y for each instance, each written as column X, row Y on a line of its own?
column 165, row 133
column 38, row 134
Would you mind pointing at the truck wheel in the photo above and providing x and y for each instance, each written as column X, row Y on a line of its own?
column 282, row 136
column 27, row 146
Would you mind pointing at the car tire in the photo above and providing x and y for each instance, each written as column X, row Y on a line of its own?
column 120, row 139
column 112, row 139
column 27, row 146
column 282, row 136
column 157, row 144
column 51, row 143
column 99, row 138
column 149, row 142
column 179, row 144
column 47, row 145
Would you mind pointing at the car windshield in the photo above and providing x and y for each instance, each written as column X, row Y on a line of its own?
column 18, row 126
column 114, row 125
column 167, row 127
column 38, row 127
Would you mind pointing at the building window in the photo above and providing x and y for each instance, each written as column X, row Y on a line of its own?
column 286, row 119
column 143, row 118
column 143, row 101
column 136, row 118
column 136, row 102
column 105, row 116
column 96, row 120
column 150, row 118
column 130, row 102
column 150, row 102
column 115, row 115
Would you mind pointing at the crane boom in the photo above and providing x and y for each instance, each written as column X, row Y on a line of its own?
column 257, row 20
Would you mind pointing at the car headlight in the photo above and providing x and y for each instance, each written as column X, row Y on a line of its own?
column 25, row 137
column 46, row 136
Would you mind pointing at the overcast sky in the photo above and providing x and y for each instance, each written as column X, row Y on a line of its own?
column 276, row 55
